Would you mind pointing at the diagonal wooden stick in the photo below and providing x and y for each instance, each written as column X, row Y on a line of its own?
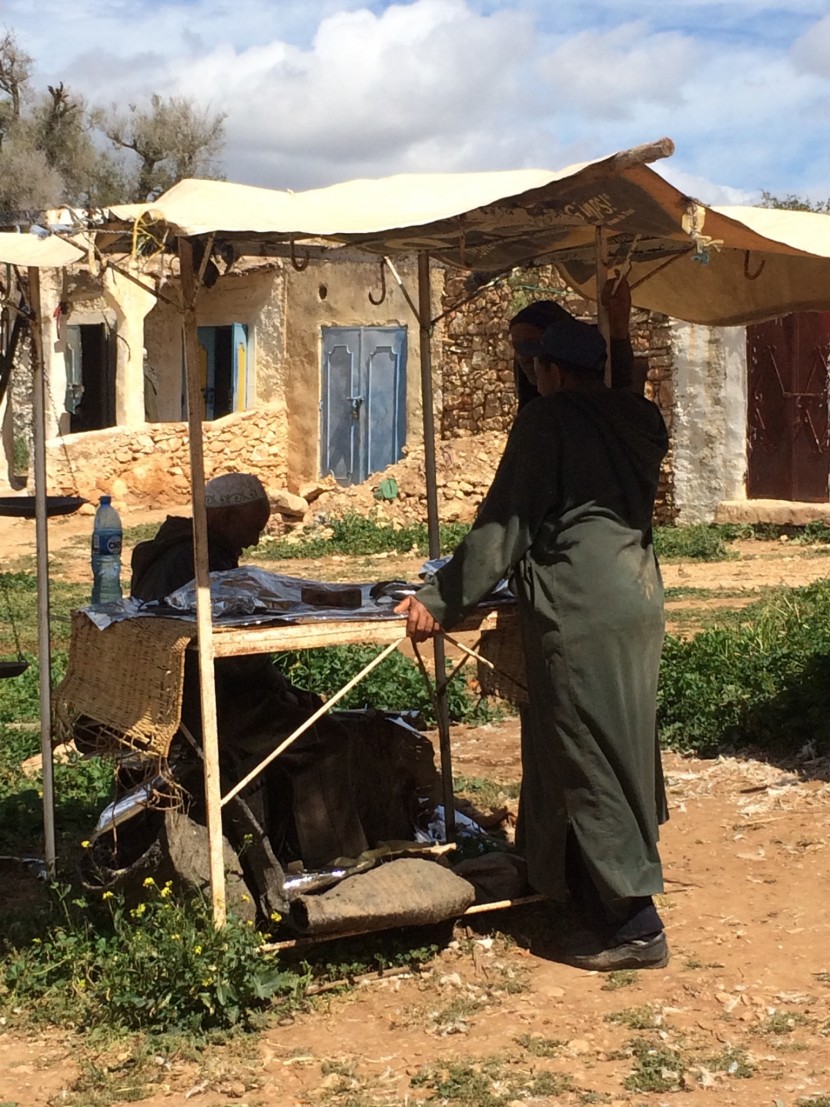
column 310, row 721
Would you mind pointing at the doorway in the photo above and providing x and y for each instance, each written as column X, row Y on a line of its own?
column 363, row 404
column 90, row 377
column 224, row 369
column 788, row 430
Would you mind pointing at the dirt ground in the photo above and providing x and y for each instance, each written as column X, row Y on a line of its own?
column 740, row 1016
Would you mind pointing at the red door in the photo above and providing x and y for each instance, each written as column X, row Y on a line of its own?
column 788, row 432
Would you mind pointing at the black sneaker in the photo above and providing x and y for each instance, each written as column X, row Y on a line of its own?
column 641, row 953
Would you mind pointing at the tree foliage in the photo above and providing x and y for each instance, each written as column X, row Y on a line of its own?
column 56, row 149
column 171, row 138
column 794, row 203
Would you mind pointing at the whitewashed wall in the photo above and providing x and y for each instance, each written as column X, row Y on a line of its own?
column 710, row 375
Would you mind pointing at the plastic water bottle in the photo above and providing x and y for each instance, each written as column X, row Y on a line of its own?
column 106, row 553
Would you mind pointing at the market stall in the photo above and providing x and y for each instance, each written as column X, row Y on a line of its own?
column 611, row 214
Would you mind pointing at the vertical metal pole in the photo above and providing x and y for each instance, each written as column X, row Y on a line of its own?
column 44, row 636
column 433, row 527
column 204, row 622
column 603, row 322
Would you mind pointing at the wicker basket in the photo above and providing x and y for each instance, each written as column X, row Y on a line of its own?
column 123, row 686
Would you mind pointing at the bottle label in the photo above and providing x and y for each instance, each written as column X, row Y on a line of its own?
column 107, row 543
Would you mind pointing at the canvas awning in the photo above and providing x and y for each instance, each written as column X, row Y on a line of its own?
column 743, row 265
column 31, row 251
column 719, row 266
column 483, row 221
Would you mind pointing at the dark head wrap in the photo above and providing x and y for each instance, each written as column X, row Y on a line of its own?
column 540, row 314
column 574, row 344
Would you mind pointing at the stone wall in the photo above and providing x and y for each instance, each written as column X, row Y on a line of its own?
column 477, row 361
column 150, row 465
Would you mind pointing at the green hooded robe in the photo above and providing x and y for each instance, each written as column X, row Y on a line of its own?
column 569, row 517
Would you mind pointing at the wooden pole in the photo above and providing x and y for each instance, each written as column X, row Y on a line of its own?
column 433, row 528
column 42, row 552
column 204, row 622
column 601, row 240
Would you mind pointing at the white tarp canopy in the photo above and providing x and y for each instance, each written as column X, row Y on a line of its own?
column 32, row 251
column 719, row 266
column 746, row 264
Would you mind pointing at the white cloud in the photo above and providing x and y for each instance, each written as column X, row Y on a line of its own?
column 812, row 51
column 606, row 74
column 322, row 91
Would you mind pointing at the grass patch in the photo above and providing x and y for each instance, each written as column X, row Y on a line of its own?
column 160, row 966
column 636, row 1018
column 539, row 1046
column 82, row 788
column 619, row 978
column 20, row 589
column 732, row 1061
column 488, row 795
column 395, row 685
column 695, row 543
column 760, row 682
column 782, row 1022
column 489, row 1082
column 357, row 536
column 657, row 1068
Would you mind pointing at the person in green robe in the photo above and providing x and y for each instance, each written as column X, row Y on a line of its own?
column 568, row 518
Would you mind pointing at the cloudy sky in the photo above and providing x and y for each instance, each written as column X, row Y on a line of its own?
column 317, row 91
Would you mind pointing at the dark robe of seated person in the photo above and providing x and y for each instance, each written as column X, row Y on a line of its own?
column 305, row 798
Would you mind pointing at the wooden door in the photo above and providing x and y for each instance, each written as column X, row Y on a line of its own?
column 788, row 433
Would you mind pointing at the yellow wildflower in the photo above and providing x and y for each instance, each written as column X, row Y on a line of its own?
column 149, row 882
column 108, row 895
column 197, row 949
column 85, row 844
column 276, row 917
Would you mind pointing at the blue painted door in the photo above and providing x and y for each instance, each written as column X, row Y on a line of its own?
column 363, row 405
column 224, row 369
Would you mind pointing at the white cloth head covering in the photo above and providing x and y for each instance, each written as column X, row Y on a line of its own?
column 234, row 489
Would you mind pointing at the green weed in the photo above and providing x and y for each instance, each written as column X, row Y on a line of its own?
column 358, row 535
column 636, row 1018
column 657, row 1068
column 539, row 1046
column 489, row 795
column 816, row 531
column 395, row 685
column 159, row 966
column 695, row 543
column 783, row 1022
column 761, row 682
column 489, row 1082
column 619, row 978
column 732, row 1061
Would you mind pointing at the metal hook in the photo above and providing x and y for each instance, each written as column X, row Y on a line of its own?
column 753, row 276
column 379, row 301
column 298, row 264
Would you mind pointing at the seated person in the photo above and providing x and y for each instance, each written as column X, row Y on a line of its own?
column 305, row 798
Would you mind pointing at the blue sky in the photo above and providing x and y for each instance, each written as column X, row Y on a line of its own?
column 317, row 92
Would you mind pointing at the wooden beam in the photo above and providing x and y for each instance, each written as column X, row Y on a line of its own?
column 204, row 621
